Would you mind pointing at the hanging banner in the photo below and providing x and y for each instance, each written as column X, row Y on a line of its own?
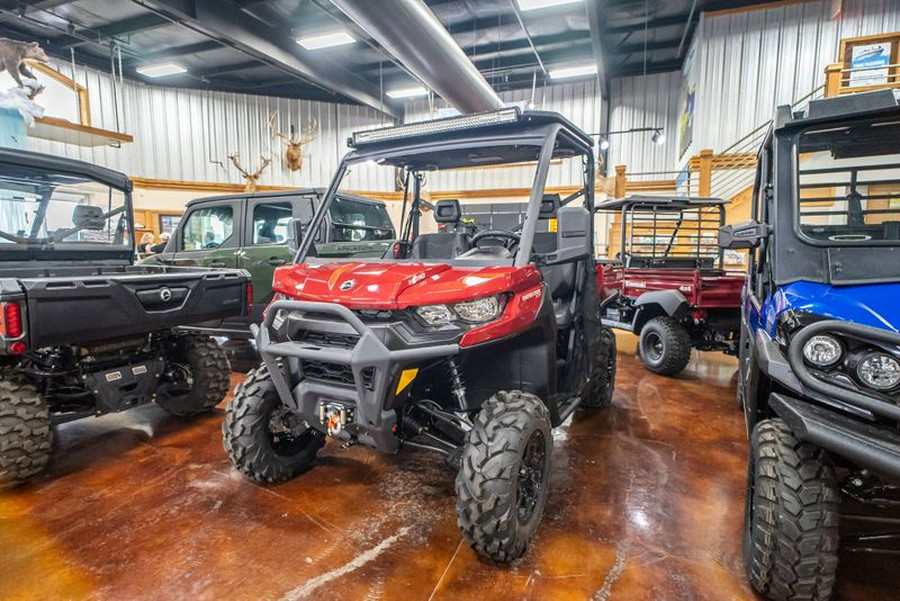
column 689, row 101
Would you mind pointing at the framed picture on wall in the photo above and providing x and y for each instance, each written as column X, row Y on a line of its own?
column 870, row 64
column 168, row 223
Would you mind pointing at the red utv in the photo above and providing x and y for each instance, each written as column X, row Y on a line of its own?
column 667, row 282
column 473, row 346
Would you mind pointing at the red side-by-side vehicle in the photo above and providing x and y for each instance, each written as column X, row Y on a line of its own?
column 667, row 282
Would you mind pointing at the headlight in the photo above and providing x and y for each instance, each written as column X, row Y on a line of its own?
column 435, row 315
column 879, row 371
column 823, row 350
column 478, row 311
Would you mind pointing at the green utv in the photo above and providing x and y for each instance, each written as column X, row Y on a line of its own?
column 255, row 232
column 84, row 331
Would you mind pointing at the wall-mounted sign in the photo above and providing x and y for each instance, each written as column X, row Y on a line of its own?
column 870, row 64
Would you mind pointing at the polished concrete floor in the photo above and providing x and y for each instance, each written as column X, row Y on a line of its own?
column 645, row 503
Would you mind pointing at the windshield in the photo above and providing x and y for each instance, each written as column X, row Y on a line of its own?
column 849, row 183
column 356, row 221
column 56, row 210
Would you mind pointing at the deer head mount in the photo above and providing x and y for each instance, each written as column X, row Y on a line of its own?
column 293, row 153
column 251, row 179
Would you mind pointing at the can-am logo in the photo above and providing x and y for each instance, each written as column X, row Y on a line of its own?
column 348, row 285
column 165, row 295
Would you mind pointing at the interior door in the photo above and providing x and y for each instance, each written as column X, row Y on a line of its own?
column 265, row 247
column 209, row 236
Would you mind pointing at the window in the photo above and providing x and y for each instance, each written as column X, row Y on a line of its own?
column 270, row 222
column 37, row 207
column 355, row 221
column 848, row 191
column 208, row 227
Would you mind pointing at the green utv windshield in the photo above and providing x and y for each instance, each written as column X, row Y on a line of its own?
column 48, row 210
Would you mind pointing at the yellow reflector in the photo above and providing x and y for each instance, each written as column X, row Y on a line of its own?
column 406, row 377
column 552, row 225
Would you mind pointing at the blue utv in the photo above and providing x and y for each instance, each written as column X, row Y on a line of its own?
column 819, row 376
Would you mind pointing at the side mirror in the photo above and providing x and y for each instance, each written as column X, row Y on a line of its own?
column 295, row 233
column 573, row 235
column 743, row 235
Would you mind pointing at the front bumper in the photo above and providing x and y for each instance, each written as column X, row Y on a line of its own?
column 866, row 444
column 374, row 367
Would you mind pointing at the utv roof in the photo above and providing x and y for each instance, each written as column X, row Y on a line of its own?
column 664, row 202
column 279, row 194
column 11, row 158
column 839, row 108
column 491, row 122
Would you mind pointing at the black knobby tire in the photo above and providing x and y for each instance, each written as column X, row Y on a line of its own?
column 203, row 373
column 791, row 517
column 25, row 434
column 598, row 391
column 501, row 488
column 252, row 447
column 665, row 346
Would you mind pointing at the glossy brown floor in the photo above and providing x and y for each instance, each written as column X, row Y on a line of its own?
column 645, row 503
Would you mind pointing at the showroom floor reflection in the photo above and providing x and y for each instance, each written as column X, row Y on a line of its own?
column 646, row 503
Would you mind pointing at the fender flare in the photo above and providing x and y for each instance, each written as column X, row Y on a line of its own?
column 659, row 303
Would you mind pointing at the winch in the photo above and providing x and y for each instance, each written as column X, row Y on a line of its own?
column 335, row 416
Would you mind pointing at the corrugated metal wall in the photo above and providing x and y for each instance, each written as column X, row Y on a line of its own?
column 578, row 101
column 750, row 62
column 187, row 135
column 644, row 101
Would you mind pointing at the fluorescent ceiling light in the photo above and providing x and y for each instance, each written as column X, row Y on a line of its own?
column 567, row 72
column 161, row 70
column 326, row 40
column 410, row 92
column 536, row 4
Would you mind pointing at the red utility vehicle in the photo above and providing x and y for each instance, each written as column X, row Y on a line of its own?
column 667, row 283
column 473, row 346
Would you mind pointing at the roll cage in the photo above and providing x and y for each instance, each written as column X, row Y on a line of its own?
column 517, row 136
column 669, row 232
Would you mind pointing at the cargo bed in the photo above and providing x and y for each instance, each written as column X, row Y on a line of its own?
column 81, row 303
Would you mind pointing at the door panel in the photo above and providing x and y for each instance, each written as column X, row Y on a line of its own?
column 265, row 247
column 209, row 236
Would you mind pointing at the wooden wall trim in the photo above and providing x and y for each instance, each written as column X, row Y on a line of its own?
column 752, row 7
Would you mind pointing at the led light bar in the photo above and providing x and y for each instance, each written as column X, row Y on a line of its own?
column 437, row 126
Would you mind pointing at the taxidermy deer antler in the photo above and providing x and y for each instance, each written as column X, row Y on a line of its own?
column 251, row 179
column 293, row 154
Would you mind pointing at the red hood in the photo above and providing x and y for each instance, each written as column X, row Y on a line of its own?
column 398, row 285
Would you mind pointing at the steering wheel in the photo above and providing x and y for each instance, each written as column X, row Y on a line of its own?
column 511, row 236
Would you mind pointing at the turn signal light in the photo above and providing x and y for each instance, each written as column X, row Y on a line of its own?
column 12, row 320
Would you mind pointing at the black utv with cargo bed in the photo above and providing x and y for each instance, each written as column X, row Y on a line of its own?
column 84, row 331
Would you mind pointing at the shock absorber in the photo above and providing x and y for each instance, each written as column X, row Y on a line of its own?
column 457, row 386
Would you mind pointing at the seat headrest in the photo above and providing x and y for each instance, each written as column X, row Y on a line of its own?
column 447, row 211
column 88, row 217
column 549, row 206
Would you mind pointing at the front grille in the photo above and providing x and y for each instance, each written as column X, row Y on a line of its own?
column 326, row 339
column 329, row 372
column 336, row 373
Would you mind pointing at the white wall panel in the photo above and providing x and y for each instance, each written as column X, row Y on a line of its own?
column 644, row 101
column 187, row 135
column 753, row 61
